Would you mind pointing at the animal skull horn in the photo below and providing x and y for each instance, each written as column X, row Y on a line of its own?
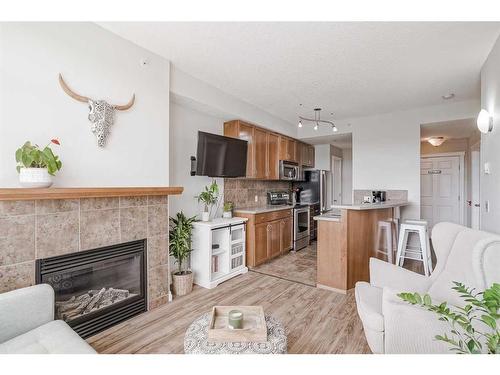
column 101, row 113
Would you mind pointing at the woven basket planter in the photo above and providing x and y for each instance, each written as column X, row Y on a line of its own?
column 182, row 284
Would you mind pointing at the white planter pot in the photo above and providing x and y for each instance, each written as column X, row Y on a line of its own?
column 227, row 214
column 35, row 178
column 205, row 216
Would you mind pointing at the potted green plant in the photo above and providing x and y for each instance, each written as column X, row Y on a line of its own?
column 209, row 197
column 228, row 210
column 36, row 166
column 473, row 326
column 181, row 228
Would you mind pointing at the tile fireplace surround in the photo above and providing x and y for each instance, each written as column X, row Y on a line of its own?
column 35, row 229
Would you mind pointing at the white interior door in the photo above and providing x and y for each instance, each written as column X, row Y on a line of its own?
column 475, row 197
column 440, row 189
column 336, row 180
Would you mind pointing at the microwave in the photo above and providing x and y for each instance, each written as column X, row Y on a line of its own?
column 290, row 171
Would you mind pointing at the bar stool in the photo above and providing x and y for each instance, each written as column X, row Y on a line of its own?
column 421, row 253
column 387, row 227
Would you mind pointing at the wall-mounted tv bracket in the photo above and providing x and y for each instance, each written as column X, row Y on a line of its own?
column 193, row 166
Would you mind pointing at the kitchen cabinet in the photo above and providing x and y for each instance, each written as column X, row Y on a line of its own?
column 273, row 156
column 268, row 235
column 266, row 149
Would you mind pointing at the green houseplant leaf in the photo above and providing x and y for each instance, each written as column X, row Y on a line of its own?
column 180, row 231
column 31, row 156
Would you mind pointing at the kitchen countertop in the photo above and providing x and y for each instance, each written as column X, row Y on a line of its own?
column 328, row 216
column 221, row 222
column 371, row 206
column 263, row 209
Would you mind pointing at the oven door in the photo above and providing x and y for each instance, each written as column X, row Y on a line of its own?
column 301, row 223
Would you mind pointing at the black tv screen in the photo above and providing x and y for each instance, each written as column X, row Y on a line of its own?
column 219, row 156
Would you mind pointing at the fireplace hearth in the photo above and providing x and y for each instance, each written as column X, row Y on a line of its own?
column 98, row 288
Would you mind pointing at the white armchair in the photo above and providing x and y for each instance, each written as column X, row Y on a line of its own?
column 394, row 326
column 27, row 324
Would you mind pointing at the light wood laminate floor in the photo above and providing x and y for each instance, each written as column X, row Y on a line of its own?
column 315, row 320
column 299, row 266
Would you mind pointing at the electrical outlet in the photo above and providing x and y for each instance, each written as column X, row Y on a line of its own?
column 256, row 198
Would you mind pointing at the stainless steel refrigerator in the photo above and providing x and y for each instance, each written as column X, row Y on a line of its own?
column 316, row 189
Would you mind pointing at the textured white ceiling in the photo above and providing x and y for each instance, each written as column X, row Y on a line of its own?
column 350, row 69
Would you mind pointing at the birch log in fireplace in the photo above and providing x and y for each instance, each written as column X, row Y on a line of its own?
column 43, row 224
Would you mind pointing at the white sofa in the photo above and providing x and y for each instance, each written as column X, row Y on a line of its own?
column 394, row 326
column 27, row 324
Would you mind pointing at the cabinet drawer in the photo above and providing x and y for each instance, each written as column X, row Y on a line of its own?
column 271, row 216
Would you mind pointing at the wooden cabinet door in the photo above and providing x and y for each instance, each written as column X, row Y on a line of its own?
column 302, row 152
column 261, row 243
column 273, row 156
column 291, row 150
column 246, row 132
column 260, row 157
column 286, row 234
column 283, row 148
column 310, row 156
column 273, row 239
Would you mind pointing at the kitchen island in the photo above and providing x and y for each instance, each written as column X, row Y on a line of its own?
column 347, row 238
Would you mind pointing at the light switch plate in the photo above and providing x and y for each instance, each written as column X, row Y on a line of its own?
column 487, row 168
column 256, row 198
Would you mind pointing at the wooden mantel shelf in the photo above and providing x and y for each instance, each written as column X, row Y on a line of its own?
column 15, row 194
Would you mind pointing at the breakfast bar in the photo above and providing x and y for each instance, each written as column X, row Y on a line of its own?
column 348, row 236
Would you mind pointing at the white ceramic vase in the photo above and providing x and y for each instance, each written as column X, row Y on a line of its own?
column 35, row 178
column 205, row 216
column 227, row 214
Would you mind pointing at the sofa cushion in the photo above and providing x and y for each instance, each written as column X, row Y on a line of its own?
column 369, row 305
column 53, row 337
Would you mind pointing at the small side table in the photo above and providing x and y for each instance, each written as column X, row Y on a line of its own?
column 196, row 340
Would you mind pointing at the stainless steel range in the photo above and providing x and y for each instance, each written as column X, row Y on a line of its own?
column 301, row 218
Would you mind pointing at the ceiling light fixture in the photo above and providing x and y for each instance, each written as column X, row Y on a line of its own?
column 448, row 96
column 484, row 121
column 317, row 120
column 436, row 141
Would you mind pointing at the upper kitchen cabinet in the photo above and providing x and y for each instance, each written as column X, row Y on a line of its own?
column 244, row 131
column 288, row 149
column 261, row 154
column 273, row 146
column 305, row 154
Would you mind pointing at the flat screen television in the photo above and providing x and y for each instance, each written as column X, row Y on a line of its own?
column 219, row 156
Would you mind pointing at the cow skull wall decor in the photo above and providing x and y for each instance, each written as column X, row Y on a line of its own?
column 101, row 114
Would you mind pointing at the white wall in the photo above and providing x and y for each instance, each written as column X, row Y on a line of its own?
column 347, row 176
column 386, row 147
column 98, row 64
column 184, row 125
column 322, row 157
column 490, row 143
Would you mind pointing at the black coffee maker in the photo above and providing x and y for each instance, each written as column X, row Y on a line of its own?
column 378, row 196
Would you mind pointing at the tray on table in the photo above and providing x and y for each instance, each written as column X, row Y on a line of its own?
column 254, row 325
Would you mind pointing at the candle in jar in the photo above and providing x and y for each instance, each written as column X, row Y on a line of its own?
column 235, row 319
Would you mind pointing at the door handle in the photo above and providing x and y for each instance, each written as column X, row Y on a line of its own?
column 477, row 205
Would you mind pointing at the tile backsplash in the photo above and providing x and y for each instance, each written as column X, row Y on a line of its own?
column 242, row 192
column 391, row 195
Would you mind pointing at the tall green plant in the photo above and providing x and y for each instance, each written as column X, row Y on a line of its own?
column 181, row 228
column 209, row 196
column 32, row 156
column 481, row 307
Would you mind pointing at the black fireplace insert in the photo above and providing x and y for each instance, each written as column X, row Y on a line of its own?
column 98, row 288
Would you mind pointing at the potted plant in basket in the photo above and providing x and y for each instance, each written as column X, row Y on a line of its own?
column 228, row 210
column 180, row 232
column 36, row 166
column 209, row 197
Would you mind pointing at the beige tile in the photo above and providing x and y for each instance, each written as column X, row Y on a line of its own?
column 17, row 276
column 51, row 206
column 88, row 204
column 17, row 239
column 153, row 304
column 157, row 220
column 158, row 282
column 17, row 208
column 157, row 199
column 99, row 228
column 157, row 251
column 133, row 223
column 133, row 201
column 57, row 234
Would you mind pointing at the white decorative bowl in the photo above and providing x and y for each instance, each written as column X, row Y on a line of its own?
column 205, row 216
column 35, row 178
